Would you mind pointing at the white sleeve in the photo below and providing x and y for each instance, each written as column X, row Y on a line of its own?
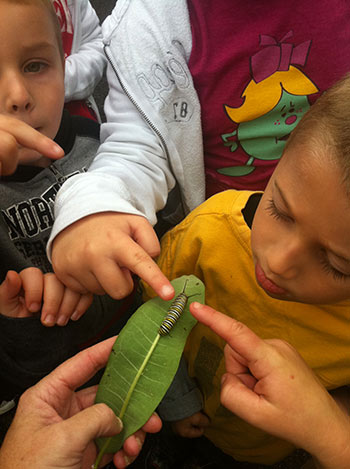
column 133, row 154
column 85, row 66
column 130, row 174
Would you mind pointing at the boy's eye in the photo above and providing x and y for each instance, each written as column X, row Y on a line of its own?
column 275, row 213
column 328, row 268
column 34, row 67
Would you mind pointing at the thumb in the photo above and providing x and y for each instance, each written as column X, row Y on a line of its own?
column 240, row 399
column 200, row 420
column 92, row 422
column 10, row 287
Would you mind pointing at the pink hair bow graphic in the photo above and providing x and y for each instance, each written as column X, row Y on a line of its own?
column 277, row 56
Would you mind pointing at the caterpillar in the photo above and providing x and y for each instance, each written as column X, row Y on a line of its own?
column 175, row 311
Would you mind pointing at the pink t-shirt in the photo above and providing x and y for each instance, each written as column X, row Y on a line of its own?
column 257, row 67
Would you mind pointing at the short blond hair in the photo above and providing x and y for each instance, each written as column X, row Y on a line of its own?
column 325, row 127
column 48, row 5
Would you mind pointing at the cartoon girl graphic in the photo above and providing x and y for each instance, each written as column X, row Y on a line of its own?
column 274, row 102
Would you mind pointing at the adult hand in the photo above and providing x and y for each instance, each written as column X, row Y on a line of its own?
column 100, row 252
column 269, row 385
column 17, row 139
column 55, row 427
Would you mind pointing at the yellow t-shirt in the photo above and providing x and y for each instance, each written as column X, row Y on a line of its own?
column 213, row 243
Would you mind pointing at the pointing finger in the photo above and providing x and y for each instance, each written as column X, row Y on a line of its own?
column 236, row 334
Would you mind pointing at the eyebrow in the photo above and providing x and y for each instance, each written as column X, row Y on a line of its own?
column 39, row 45
column 339, row 256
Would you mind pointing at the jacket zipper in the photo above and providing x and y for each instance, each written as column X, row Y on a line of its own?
column 146, row 118
column 143, row 114
column 60, row 178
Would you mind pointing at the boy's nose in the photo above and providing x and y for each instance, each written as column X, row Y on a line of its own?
column 286, row 261
column 18, row 98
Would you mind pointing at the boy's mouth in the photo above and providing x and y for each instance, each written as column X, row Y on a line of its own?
column 267, row 284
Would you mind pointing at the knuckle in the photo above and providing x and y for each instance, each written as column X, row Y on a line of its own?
column 102, row 411
column 88, row 251
column 8, row 144
column 238, row 327
column 58, row 264
column 30, row 271
column 225, row 396
column 50, row 276
column 140, row 256
column 281, row 346
column 26, row 398
column 122, row 292
column 85, row 299
column 72, row 285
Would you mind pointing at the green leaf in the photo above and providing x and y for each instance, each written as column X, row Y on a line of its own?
column 142, row 364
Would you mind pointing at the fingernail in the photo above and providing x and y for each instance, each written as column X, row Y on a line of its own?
column 75, row 316
column 127, row 460
column 167, row 291
column 49, row 320
column 195, row 305
column 139, row 442
column 62, row 321
column 119, row 424
column 56, row 149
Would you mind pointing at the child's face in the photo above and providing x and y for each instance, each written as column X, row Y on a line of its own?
column 31, row 71
column 300, row 233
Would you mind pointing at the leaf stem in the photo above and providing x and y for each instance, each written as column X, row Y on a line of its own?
column 137, row 377
column 101, row 453
column 127, row 398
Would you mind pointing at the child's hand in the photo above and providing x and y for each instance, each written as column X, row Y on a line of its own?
column 269, row 385
column 21, row 294
column 60, row 303
column 16, row 138
column 100, row 252
column 24, row 294
column 191, row 427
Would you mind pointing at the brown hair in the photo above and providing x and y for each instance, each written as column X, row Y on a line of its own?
column 326, row 127
column 48, row 5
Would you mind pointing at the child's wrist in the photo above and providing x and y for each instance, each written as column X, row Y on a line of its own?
column 334, row 452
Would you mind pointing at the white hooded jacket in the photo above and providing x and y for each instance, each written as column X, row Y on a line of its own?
column 153, row 138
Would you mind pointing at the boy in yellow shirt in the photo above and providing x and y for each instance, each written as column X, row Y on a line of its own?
column 280, row 263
